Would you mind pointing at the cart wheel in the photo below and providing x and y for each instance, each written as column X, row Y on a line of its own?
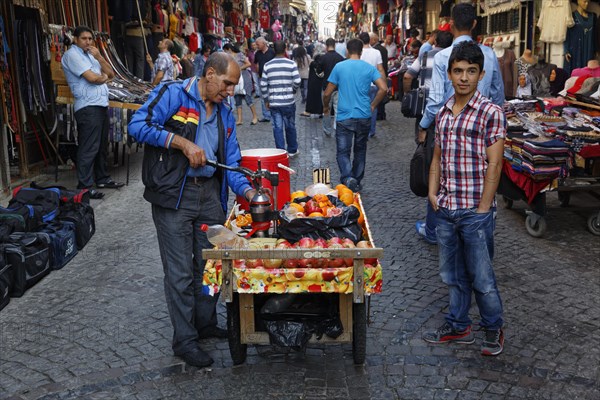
column 236, row 348
column 536, row 227
column 508, row 203
column 594, row 225
column 564, row 198
column 359, row 332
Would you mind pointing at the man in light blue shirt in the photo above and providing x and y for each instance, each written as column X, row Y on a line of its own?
column 353, row 79
column 87, row 72
column 464, row 20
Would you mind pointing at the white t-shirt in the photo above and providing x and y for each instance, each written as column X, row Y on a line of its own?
column 372, row 56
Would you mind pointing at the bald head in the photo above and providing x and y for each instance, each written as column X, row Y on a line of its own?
column 373, row 38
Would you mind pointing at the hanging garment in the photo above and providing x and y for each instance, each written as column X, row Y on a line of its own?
column 264, row 17
column 555, row 18
column 506, row 63
column 581, row 41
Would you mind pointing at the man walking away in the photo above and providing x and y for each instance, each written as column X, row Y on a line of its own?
column 353, row 79
column 464, row 176
column 279, row 82
column 376, row 44
column 373, row 57
column 328, row 61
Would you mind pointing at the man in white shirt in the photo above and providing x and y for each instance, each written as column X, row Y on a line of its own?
column 373, row 57
column 390, row 46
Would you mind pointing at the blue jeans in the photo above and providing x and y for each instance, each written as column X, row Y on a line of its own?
column 265, row 111
column 180, row 242
column 372, row 94
column 466, row 248
column 285, row 116
column 347, row 131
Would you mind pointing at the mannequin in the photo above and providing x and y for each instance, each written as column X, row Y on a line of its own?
column 540, row 76
column 592, row 69
column 525, row 62
column 506, row 61
column 580, row 45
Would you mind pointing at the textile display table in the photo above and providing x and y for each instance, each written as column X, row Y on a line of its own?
column 551, row 153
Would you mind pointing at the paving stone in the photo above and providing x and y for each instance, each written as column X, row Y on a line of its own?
column 99, row 328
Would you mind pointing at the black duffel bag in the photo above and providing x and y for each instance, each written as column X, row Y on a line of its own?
column 66, row 195
column 45, row 202
column 63, row 241
column 82, row 215
column 19, row 218
column 29, row 254
column 6, row 280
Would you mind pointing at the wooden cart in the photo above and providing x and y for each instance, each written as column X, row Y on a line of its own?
column 352, row 284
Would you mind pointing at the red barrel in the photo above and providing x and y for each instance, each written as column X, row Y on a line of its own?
column 269, row 160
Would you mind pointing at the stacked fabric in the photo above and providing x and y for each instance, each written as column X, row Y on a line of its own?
column 539, row 158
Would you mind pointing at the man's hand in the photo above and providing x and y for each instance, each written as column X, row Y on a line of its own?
column 421, row 136
column 194, row 154
column 433, row 200
column 149, row 60
column 568, row 57
column 94, row 52
column 250, row 194
column 267, row 105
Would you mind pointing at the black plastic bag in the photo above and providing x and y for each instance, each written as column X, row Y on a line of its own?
column 294, row 334
column 344, row 225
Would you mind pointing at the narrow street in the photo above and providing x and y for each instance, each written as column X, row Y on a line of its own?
column 99, row 328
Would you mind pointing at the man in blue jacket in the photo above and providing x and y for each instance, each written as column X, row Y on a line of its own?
column 184, row 124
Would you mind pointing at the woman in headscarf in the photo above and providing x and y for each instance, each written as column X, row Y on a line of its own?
column 524, row 86
column 244, row 64
column 314, row 102
column 558, row 77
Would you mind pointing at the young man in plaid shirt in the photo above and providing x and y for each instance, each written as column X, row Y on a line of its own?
column 463, row 179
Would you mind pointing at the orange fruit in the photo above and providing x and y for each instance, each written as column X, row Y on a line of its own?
column 341, row 187
column 315, row 214
column 297, row 207
column 347, row 198
column 297, row 194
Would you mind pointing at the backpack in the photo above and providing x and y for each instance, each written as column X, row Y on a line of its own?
column 66, row 195
column 62, row 240
column 45, row 202
column 82, row 215
column 29, row 255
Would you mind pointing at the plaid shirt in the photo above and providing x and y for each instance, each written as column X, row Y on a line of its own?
column 463, row 140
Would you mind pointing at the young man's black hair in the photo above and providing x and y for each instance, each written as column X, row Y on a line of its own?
column 279, row 47
column 443, row 39
column 354, row 46
column 330, row 42
column 364, row 36
column 466, row 51
column 463, row 16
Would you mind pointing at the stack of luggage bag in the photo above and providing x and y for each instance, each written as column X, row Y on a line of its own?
column 41, row 230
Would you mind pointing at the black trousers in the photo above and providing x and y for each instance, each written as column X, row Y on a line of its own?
column 92, row 151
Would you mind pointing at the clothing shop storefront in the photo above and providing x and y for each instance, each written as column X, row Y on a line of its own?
column 39, row 133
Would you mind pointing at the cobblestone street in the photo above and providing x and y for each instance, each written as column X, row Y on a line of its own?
column 99, row 328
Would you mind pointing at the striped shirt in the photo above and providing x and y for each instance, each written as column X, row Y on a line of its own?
column 463, row 140
column 279, row 82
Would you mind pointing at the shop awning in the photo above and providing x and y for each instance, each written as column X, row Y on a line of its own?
column 300, row 5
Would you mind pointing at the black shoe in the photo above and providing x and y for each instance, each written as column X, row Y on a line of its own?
column 96, row 195
column 264, row 120
column 110, row 184
column 196, row 358
column 213, row 332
